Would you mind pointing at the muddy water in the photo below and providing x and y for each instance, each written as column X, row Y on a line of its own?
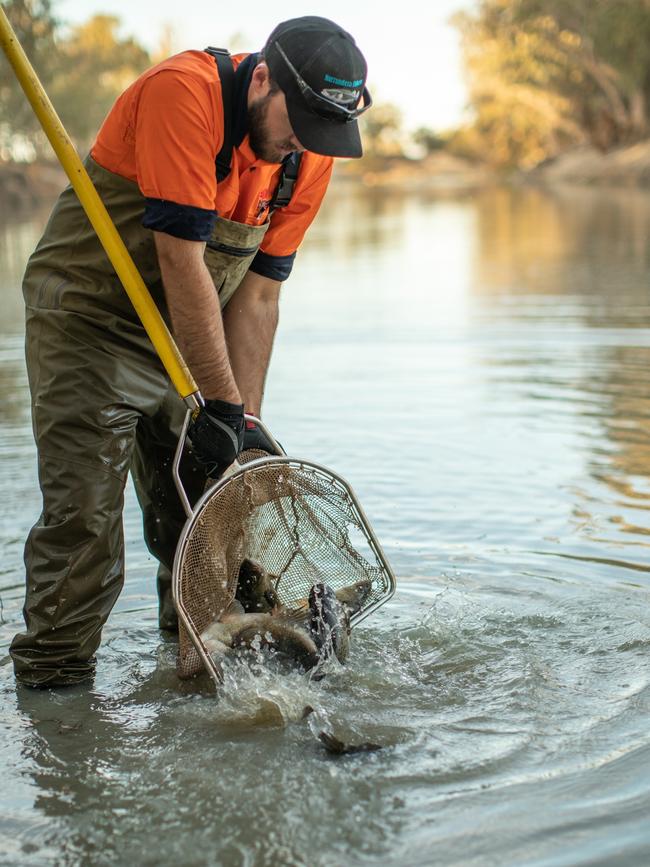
column 478, row 369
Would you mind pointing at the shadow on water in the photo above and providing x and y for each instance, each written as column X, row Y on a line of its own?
column 477, row 368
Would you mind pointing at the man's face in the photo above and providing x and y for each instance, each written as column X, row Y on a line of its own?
column 270, row 133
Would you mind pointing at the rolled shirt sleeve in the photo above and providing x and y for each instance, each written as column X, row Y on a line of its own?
column 176, row 149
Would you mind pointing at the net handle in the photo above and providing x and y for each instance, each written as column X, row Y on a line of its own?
column 99, row 217
column 279, row 451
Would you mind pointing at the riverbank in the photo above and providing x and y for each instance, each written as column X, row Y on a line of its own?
column 24, row 186
column 444, row 172
column 438, row 172
column 627, row 166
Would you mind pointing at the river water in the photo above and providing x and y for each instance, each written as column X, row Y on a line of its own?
column 477, row 368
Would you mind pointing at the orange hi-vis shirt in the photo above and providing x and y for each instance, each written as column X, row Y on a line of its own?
column 165, row 131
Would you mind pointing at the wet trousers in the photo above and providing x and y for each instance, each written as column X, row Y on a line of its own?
column 102, row 405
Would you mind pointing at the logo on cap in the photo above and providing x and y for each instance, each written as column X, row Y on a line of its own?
column 343, row 97
column 342, row 82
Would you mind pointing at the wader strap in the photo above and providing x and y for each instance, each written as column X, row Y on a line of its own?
column 227, row 76
column 290, row 164
column 287, row 181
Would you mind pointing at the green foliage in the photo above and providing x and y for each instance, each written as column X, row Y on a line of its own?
column 83, row 71
column 429, row 140
column 547, row 73
column 35, row 26
column 381, row 131
column 94, row 67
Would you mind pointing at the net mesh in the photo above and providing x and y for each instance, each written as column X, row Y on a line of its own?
column 295, row 519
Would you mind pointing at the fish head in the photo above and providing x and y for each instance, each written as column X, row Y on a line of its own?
column 354, row 595
column 329, row 623
column 255, row 588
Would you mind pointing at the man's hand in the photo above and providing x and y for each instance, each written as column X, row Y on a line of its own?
column 254, row 438
column 217, row 435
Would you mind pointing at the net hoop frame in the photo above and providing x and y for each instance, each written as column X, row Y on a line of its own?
column 232, row 477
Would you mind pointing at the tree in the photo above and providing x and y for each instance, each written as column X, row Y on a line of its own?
column 546, row 73
column 94, row 67
column 522, row 113
column 382, row 131
column 35, row 27
column 82, row 73
column 429, row 140
column 611, row 62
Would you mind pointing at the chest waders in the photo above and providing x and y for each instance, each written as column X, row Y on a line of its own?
column 101, row 404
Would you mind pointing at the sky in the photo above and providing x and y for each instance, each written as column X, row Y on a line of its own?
column 413, row 57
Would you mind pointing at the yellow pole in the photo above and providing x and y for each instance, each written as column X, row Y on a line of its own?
column 98, row 215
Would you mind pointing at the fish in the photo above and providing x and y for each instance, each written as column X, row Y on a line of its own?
column 354, row 595
column 255, row 588
column 329, row 623
column 240, row 629
column 337, row 747
column 307, row 634
column 330, row 616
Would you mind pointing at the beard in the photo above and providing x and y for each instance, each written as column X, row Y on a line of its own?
column 258, row 134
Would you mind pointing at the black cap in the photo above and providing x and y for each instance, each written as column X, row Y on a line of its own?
column 323, row 76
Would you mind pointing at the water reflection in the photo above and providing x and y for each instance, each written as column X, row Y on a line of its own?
column 349, row 222
column 356, row 221
column 565, row 241
column 478, row 369
column 502, row 319
column 622, row 460
column 18, row 237
column 561, row 276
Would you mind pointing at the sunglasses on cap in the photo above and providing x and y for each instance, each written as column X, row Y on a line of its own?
column 319, row 104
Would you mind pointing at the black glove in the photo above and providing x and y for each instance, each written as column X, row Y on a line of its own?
column 216, row 432
column 254, row 438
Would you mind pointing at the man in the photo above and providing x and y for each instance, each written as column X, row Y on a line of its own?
column 205, row 239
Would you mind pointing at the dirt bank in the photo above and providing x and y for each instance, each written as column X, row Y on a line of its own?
column 28, row 185
column 629, row 166
column 24, row 186
column 440, row 171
